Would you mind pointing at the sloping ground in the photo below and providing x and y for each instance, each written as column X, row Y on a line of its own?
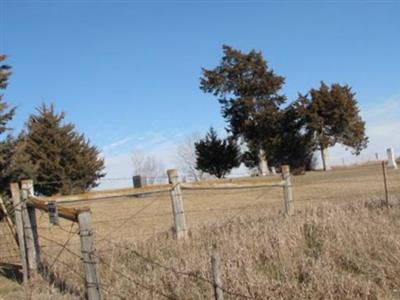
column 10, row 273
column 329, row 249
column 331, row 252
column 345, row 251
column 9, row 253
column 9, row 287
column 135, row 219
column 9, row 260
column 12, row 289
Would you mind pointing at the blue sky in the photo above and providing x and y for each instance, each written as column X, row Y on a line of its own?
column 127, row 72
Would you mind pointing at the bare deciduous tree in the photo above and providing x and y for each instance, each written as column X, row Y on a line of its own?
column 186, row 157
column 147, row 166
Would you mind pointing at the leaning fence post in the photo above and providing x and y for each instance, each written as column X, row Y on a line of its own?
column 217, row 278
column 287, row 191
column 177, row 205
column 30, row 226
column 385, row 184
column 8, row 219
column 16, row 197
column 88, row 256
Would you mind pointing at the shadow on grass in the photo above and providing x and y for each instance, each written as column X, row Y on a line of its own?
column 11, row 271
column 57, row 281
column 14, row 272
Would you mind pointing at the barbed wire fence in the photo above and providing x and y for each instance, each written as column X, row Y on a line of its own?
column 141, row 213
column 370, row 184
column 52, row 247
column 61, row 259
column 260, row 191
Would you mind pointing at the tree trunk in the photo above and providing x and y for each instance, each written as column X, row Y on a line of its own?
column 325, row 159
column 263, row 164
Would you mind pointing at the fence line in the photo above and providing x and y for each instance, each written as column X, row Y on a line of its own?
column 171, row 187
column 108, row 194
column 126, row 220
column 29, row 239
column 225, row 186
column 189, row 274
column 27, row 201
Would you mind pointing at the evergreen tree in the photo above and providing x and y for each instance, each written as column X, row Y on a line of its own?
column 250, row 157
column 332, row 115
column 7, row 144
column 216, row 156
column 55, row 156
column 5, row 71
column 7, row 151
column 248, row 92
column 6, row 113
column 294, row 144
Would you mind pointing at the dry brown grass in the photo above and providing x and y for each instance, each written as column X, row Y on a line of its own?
column 334, row 247
column 342, row 252
column 136, row 219
column 37, row 289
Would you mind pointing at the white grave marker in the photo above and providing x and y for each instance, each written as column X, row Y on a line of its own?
column 391, row 158
column 263, row 165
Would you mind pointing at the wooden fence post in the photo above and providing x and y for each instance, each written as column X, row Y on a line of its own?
column 385, row 184
column 19, row 225
column 30, row 227
column 177, row 205
column 88, row 256
column 287, row 191
column 217, row 278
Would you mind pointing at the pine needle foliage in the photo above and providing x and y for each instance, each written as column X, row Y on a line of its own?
column 248, row 91
column 6, row 112
column 333, row 116
column 295, row 144
column 5, row 71
column 216, row 156
column 56, row 156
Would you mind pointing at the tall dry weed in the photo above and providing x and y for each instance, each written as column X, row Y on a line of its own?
column 346, row 252
column 327, row 252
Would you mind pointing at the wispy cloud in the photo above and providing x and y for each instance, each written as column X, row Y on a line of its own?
column 382, row 127
column 119, row 171
column 116, row 144
column 377, row 111
column 383, row 124
column 117, row 155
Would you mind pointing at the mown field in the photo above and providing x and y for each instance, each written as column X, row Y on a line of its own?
column 340, row 243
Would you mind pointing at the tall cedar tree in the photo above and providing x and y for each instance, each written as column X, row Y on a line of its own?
column 294, row 145
column 333, row 116
column 6, row 114
column 216, row 156
column 58, row 158
column 248, row 92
